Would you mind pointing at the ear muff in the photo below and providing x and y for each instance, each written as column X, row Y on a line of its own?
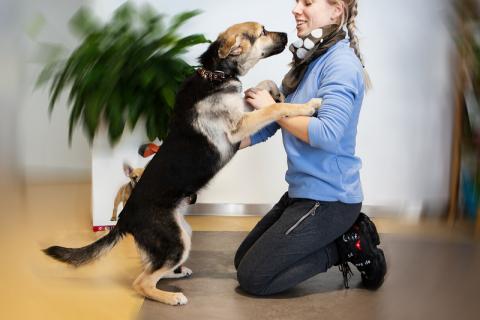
column 230, row 46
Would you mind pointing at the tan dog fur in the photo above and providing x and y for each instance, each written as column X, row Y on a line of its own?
column 126, row 190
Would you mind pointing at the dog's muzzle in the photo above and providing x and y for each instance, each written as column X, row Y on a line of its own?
column 280, row 40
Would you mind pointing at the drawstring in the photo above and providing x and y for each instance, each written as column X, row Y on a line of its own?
column 346, row 272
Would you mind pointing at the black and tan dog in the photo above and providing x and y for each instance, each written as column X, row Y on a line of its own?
column 209, row 121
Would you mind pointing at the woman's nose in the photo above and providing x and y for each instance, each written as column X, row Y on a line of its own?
column 297, row 10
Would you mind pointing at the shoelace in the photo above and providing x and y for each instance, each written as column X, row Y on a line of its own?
column 346, row 272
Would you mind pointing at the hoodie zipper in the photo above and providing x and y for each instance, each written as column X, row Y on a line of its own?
column 305, row 216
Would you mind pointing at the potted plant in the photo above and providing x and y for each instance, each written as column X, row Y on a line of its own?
column 124, row 74
column 126, row 69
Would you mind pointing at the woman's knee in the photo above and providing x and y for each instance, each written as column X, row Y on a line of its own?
column 237, row 259
column 250, row 280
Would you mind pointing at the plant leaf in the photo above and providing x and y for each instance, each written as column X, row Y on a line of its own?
column 83, row 22
column 116, row 121
column 186, row 42
column 169, row 96
column 151, row 128
column 75, row 114
column 46, row 74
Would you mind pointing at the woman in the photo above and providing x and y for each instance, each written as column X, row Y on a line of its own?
column 317, row 223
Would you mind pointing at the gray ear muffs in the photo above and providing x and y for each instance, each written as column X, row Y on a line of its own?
column 301, row 47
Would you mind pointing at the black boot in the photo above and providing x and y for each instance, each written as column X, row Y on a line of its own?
column 359, row 246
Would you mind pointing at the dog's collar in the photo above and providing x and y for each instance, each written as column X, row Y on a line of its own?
column 213, row 75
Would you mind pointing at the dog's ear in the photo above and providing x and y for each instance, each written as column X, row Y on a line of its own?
column 230, row 46
column 127, row 169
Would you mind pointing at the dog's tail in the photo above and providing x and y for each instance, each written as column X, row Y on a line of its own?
column 80, row 256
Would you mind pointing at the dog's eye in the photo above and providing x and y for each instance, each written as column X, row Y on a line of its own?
column 264, row 32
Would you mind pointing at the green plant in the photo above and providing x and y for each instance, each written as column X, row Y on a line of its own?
column 123, row 70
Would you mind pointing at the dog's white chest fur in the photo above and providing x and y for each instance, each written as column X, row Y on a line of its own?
column 217, row 116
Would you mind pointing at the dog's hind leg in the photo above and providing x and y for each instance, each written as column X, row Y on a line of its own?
column 253, row 121
column 146, row 285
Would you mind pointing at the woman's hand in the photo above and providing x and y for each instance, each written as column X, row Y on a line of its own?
column 258, row 98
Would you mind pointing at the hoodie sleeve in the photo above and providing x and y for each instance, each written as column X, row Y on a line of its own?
column 264, row 133
column 339, row 86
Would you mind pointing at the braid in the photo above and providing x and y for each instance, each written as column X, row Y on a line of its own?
column 354, row 43
column 350, row 13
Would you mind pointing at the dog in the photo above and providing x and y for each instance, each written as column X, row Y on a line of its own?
column 124, row 192
column 209, row 121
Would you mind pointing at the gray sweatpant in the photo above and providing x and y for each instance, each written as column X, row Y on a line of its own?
column 293, row 242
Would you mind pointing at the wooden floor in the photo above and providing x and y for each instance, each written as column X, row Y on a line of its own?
column 35, row 287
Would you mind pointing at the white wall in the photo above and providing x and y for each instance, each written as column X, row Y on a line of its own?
column 43, row 150
column 405, row 125
column 9, row 85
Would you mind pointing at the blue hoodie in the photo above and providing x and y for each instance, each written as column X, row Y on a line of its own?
column 326, row 168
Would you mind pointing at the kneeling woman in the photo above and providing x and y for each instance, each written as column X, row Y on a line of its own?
column 317, row 224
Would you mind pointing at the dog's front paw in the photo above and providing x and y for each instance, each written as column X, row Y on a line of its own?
column 305, row 110
column 309, row 110
column 177, row 299
column 272, row 88
column 301, row 110
column 315, row 103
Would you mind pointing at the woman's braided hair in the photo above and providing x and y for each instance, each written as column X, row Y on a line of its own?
column 350, row 12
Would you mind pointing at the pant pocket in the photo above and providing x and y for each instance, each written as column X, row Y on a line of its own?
column 310, row 213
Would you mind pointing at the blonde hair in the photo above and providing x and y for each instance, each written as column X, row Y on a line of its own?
column 350, row 12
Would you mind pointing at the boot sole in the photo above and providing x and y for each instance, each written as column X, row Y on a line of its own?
column 376, row 282
column 368, row 228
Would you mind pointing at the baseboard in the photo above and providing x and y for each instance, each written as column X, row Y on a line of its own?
column 259, row 209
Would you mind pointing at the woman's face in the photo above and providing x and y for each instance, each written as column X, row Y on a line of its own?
column 313, row 14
